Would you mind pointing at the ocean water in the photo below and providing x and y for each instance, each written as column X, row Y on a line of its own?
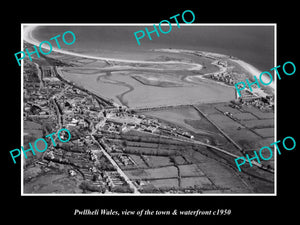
column 253, row 44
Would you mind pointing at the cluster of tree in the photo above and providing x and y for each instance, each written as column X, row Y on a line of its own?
column 121, row 189
column 69, row 147
column 47, row 127
column 89, row 187
column 191, row 189
column 152, row 189
column 68, row 161
column 31, row 71
column 104, row 164
column 139, row 144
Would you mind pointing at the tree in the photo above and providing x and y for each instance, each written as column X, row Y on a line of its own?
column 172, row 159
column 122, row 189
column 124, row 143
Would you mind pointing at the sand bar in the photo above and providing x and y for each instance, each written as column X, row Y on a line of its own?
column 28, row 36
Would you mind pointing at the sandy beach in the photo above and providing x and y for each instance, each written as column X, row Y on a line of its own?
column 248, row 67
column 254, row 72
column 28, row 36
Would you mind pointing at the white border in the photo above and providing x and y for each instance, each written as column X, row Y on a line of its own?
column 151, row 24
column 22, row 112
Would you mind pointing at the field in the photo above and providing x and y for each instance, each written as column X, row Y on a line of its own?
column 156, row 161
column 153, row 173
column 185, row 117
column 32, row 131
column 245, row 125
column 195, row 168
column 259, row 114
column 201, row 182
column 166, row 164
column 190, row 170
column 165, row 183
column 57, row 182
column 265, row 132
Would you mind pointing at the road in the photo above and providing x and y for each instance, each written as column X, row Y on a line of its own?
column 58, row 114
column 116, row 166
column 202, row 143
column 39, row 73
column 219, row 129
column 226, row 152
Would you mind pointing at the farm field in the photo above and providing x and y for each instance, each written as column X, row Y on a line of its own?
column 248, row 127
column 164, row 164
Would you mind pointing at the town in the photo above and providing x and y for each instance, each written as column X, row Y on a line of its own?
column 120, row 149
column 102, row 132
column 229, row 77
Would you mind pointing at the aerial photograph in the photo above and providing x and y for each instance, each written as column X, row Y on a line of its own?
column 159, row 118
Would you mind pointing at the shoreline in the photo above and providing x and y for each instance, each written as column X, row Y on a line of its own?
column 28, row 37
column 253, row 71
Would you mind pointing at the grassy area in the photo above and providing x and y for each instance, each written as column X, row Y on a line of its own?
column 153, row 173
column 32, row 131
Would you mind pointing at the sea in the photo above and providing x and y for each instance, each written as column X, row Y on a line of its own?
column 253, row 44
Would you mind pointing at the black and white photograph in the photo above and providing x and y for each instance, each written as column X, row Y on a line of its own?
column 161, row 118
column 172, row 114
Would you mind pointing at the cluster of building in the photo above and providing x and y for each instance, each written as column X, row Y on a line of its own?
column 113, row 179
column 90, row 165
column 36, row 102
column 124, row 159
column 79, row 112
column 122, row 120
column 262, row 103
column 174, row 131
column 225, row 77
column 39, row 101
column 84, row 116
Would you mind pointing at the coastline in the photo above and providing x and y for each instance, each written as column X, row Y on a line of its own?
column 28, row 37
column 165, row 142
column 253, row 71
